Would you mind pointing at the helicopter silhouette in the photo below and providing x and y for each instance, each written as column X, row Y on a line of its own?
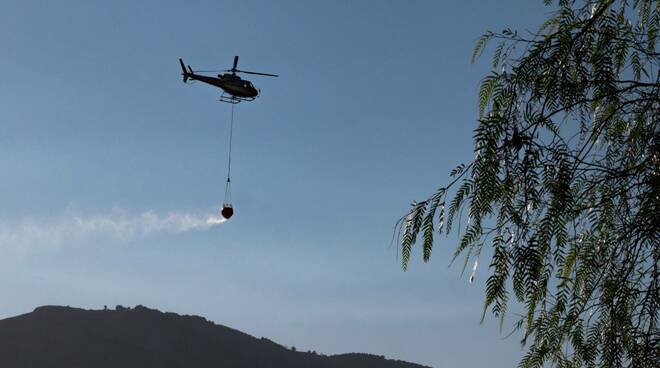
column 234, row 88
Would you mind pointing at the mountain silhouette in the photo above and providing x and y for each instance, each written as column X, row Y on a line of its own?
column 54, row 336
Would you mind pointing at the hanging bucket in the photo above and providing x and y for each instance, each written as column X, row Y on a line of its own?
column 227, row 211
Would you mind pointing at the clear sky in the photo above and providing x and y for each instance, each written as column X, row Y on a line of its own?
column 111, row 165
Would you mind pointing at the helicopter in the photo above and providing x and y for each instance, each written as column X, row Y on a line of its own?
column 234, row 88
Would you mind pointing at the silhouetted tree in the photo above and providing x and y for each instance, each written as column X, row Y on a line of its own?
column 565, row 185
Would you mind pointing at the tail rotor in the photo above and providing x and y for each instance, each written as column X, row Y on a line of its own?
column 186, row 73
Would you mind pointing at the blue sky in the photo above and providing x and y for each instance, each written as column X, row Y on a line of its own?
column 111, row 166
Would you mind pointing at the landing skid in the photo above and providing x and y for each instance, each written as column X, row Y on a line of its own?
column 233, row 99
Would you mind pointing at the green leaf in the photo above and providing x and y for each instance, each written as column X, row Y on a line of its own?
column 479, row 46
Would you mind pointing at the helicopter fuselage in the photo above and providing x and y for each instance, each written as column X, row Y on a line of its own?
column 229, row 83
column 238, row 89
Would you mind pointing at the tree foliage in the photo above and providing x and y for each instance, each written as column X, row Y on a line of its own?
column 565, row 185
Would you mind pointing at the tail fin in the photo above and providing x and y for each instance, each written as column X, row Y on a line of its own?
column 185, row 72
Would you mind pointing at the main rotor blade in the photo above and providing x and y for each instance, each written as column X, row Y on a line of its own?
column 235, row 62
column 255, row 73
column 209, row 71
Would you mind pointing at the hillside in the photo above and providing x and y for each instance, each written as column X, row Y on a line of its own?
column 140, row 337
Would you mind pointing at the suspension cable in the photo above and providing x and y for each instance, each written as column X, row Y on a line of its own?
column 228, row 183
column 231, row 133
